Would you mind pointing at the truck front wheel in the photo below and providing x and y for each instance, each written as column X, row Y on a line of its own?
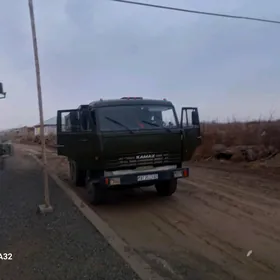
column 166, row 188
column 77, row 175
column 96, row 194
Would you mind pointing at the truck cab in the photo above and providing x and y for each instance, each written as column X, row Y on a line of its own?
column 127, row 142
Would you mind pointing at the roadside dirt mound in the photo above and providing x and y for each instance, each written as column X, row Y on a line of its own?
column 237, row 142
column 237, row 153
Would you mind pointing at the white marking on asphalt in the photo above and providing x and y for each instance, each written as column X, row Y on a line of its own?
column 249, row 253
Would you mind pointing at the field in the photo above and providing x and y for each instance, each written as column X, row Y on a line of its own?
column 262, row 137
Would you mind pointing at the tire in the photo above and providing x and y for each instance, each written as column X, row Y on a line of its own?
column 2, row 163
column 166, row 188
column 96, row 194
column 77, row 176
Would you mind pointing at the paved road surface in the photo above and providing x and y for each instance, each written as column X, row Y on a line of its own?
column 62, row 245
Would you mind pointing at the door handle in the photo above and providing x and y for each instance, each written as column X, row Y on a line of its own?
column 83, row 140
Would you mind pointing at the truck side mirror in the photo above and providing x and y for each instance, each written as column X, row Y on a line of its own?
column 2, row 93
column 189, row 117
column 195, row 118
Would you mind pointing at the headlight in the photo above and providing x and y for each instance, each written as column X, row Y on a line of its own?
column 115, row 181
column 178, row 173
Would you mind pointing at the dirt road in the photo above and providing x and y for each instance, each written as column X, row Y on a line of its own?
column 204, row 231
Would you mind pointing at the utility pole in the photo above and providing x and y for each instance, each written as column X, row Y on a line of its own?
column 44, row 208
column 2, row 150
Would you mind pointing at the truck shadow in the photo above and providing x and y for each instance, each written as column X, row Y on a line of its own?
column 131, row 197
column 138, row 196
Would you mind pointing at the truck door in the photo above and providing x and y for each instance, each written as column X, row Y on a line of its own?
column 190, row 131
column 74, row 133
column 67, row 127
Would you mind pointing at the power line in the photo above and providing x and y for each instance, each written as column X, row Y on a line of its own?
column 196, row 11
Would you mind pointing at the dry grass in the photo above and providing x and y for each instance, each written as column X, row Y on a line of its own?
column 260, row 133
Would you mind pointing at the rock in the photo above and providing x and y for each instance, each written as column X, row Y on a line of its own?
column 237, row 155
column 251, row 155
column 219, row 148
column 221, row 152
column 272, row 150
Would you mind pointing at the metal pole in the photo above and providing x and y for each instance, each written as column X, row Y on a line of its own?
column 47, row 207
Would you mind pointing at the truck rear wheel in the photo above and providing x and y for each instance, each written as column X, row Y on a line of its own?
column 166, row 188
column 77, row 175
column 96, row 194
column 2, row 163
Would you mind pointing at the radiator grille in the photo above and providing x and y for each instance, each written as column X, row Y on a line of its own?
column 147, row 159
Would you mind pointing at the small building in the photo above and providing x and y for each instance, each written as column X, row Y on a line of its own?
column 25, row 131
column 49, row 127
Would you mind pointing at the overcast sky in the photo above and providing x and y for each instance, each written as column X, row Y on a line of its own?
column 91, row 49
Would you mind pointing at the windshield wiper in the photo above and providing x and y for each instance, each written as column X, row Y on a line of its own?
column 156, row 125
column 150, row 123
column 119, row 123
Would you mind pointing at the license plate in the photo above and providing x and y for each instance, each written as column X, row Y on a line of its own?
column 147, row 177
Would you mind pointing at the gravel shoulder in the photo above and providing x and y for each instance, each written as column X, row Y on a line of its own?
column 61, row 245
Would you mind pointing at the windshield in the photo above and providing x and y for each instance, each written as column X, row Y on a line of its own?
column 137, row 117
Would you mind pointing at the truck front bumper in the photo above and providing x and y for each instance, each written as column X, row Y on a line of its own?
column 144, row 178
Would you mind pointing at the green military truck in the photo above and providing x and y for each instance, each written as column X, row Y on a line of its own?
column 127, row 142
